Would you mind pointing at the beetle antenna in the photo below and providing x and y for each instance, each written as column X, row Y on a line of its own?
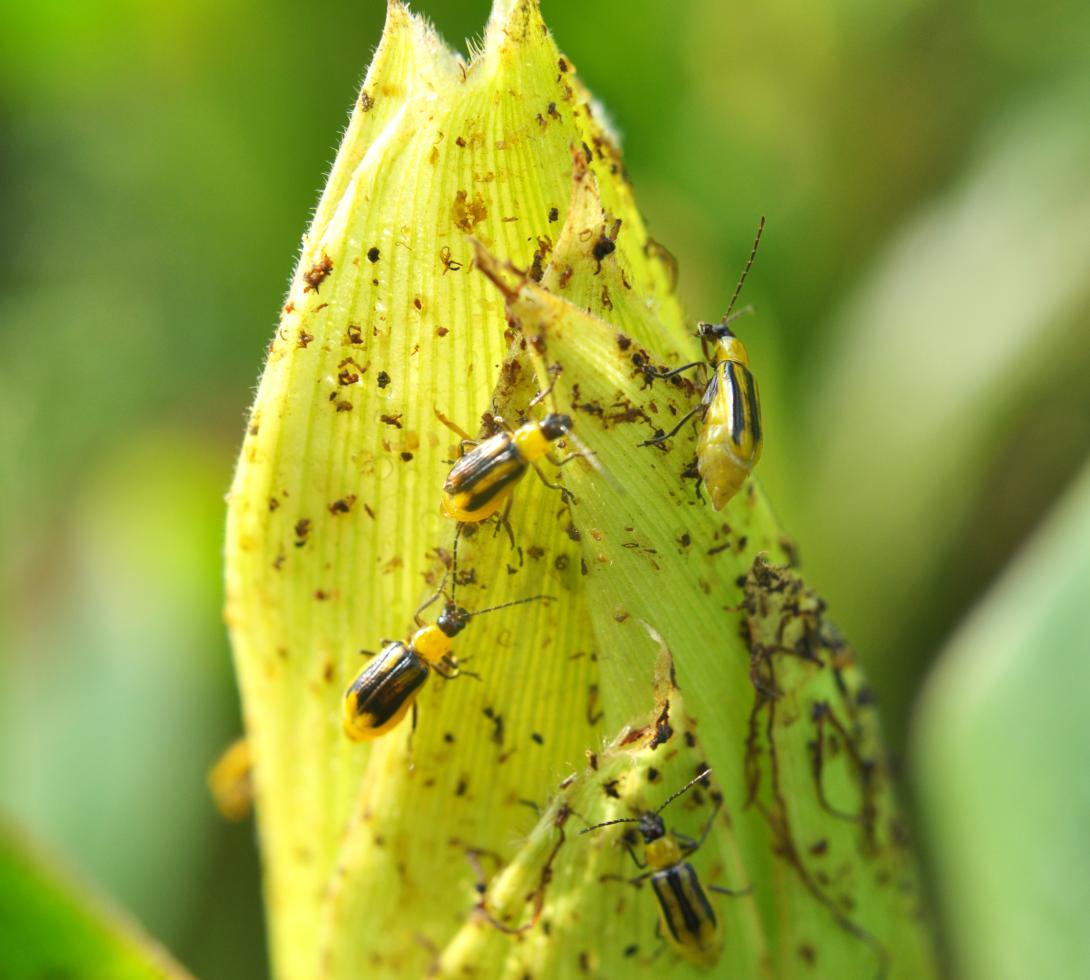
column 424, row 605
column 609, row 823
column 684, row 789
column 745, row 271
column 513, row 602
column 554, row 370
column 591, row 457
column 450, row 572
column 737, row 315
column 453, row 570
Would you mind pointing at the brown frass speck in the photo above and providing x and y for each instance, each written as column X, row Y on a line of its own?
column 343, row 505
column 466, row 213
column 316, row 274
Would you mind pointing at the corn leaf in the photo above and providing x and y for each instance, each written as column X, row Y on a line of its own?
column 673, row 637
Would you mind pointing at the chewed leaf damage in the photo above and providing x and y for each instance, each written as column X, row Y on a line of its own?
column 454, row 846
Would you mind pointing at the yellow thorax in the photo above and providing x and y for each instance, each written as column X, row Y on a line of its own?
column 430, row 643
column 531, row 442
column 731, row 349
column 663, row 853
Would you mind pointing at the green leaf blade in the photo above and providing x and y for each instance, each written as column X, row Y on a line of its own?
column 999, row 743
column 51, row 927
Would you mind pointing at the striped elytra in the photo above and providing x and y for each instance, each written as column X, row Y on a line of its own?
column 731, row 438
column 383, row 692
column 688, row 920
column 480, row 483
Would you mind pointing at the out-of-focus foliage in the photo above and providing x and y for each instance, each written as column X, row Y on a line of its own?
column 955, row 392
column 1001, row 759
column 49, row 928
column 159, row 163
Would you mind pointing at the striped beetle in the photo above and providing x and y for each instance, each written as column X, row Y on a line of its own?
column 730, row 440
column 482, row 480
column 686, row 918
column 384, row 691
column 480, row 483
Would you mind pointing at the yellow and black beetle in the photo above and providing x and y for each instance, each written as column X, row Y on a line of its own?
column 481, row 481
column 384, row 691
column 730, row 440
column 686, row 918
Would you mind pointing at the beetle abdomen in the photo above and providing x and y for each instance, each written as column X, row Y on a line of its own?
column 688, row 920
column 383, row 692
column 731, row 438
column 479, row 482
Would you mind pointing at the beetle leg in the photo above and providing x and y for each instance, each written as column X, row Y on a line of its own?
column 707, row 826
column 734, row 892
column 503, row 522
column 639, row 864
column 554, row 370
column 565, row 494
column 673, row 372
column 658, row 439
column 453, row 426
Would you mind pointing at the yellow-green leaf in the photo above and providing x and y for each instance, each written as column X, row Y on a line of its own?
column 455, row 848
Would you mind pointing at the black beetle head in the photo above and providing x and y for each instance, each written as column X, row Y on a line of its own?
column 713, row 331
column 554, row 425
column 452, row 620
column 651, row 827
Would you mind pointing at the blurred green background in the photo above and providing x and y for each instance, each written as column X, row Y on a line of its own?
column 921, row 339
